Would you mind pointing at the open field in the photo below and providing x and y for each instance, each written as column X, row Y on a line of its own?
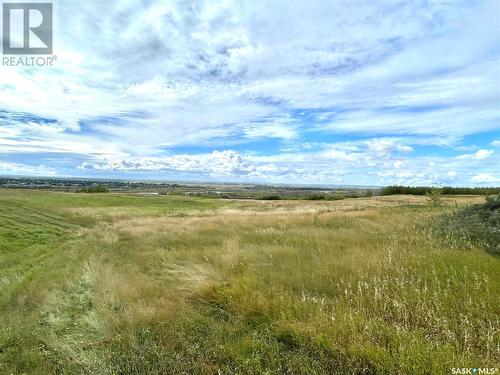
column 129, row 284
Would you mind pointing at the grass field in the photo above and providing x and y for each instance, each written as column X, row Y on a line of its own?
column 130, row 284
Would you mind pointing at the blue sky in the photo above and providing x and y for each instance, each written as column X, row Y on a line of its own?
column 334, row 92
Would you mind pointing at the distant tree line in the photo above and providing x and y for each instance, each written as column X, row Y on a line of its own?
column 447, row 190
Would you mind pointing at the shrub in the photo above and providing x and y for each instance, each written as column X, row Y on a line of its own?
column 316, row 197
column 93, row 189
column 336, row 197
column 270, row 198
column 434, row 196
column 352, row 195
column 474, row 225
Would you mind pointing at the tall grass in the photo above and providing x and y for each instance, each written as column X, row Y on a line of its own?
column 475, row 225
column 253, row 288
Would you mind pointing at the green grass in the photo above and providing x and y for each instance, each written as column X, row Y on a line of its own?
column 110, row 284
column 474, row 225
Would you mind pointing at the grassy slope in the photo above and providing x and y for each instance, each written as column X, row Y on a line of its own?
column 107, row 284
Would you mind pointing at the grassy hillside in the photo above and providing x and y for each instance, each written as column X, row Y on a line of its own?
column 110, row 284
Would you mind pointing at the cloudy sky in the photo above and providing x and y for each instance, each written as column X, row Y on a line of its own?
column 335, row 92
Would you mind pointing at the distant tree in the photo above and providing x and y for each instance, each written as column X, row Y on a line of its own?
column 93, row 189
column 270, row 198
column 435, row 196
column 316, row 197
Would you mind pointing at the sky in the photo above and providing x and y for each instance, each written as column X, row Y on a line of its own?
column 320, row 92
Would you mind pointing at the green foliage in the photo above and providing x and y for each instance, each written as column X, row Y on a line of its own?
column 435, row 196
column 270, row 198
column 447, row 190
column 316, row 197
column 474, row 225
column 93, row 189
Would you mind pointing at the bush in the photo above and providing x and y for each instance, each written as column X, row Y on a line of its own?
column 93, row 189
column 474, row 225
column 270, row 198
column 316, row 197
column 336, row 197
column 434, row 196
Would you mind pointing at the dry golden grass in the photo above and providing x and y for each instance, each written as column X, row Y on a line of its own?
column 250, row 287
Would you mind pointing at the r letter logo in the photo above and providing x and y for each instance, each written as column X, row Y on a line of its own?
column 27, row 28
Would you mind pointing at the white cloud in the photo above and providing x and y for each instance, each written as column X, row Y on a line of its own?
column 398, row 164
column 483, row 154
column 478, row 155
column 151, row 77
column 219, row 163
column 359, row 162
column 385, row 146
column 25, row 169
column 485, row 178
